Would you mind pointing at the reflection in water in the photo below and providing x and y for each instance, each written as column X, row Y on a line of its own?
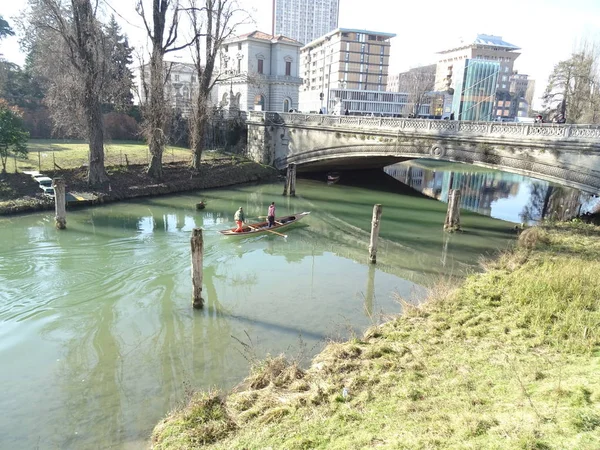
column 501, row 195
column 98, row 338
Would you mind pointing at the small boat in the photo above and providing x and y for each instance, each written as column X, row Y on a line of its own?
column 333, row 176
column 263, row 227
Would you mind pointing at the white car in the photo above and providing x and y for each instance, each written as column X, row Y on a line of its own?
column 44, row 181
column 48, row 191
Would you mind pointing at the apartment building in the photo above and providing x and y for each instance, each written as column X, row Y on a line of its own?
column 304, row 20
column 343, row 59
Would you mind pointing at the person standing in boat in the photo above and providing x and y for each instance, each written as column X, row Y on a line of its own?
column 239, row 220
column 271, row 215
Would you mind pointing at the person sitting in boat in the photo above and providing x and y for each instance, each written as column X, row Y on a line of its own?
column 239, row 220
column 271, row 215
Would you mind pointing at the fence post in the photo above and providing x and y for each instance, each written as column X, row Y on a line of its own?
column 375, row 222
column 197, row 246
column 60, row 203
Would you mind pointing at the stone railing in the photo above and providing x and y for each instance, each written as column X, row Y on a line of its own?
column 446, row 127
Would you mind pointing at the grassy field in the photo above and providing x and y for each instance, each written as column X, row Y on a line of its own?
column 508, row 360
column 69, row 154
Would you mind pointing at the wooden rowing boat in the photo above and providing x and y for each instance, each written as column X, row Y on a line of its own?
column 263, row 227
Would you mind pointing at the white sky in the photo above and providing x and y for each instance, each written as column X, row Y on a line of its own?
column 546, row 30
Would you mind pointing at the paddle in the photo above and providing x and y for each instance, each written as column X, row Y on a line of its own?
column 275, row 232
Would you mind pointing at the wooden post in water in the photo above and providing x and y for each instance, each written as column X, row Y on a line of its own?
column 197, row 244
column 60, row 203
column 452, row 222
column 287, row 181
column 374, row 233
column 293, row 180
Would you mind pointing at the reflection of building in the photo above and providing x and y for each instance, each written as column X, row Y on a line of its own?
column 261, row 71
column 343, row 59
column 478, row 189
column 180, row 84
column 305, row 20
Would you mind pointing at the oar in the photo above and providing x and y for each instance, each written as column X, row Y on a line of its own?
column 275, row 232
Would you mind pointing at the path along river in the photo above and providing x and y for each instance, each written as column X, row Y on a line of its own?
column 98, row 340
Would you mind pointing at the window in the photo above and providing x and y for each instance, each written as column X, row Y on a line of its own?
column 239, row 45
column 260, row 66
column 286, row 105
column 239, row 68
column 176, row 77
column 288, row 69
column 226, row 47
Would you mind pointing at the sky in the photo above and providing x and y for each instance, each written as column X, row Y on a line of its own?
column 547, row 31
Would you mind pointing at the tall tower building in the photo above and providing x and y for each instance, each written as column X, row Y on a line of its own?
column 305, row 20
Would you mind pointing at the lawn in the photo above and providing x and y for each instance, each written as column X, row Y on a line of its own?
column 70, row 154
column 508, row 360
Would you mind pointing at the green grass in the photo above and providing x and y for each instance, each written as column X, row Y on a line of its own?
column 69, row 154
column 508, row 360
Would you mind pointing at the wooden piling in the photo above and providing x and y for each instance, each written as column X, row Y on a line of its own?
column 287, row 181
column 374, row 233
column 293, row 180
column 197, row 245
column 60, row 203
column 452, row 222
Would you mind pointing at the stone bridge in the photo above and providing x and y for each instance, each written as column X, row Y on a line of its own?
column 565, row 154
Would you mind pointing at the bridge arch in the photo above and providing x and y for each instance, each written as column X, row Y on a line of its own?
column 569, row 155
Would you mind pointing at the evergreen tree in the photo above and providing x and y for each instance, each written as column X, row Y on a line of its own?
column 120, row 77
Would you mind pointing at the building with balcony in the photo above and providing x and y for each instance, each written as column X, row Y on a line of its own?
column 343, row 59
column 305, row 20
column 259, row 72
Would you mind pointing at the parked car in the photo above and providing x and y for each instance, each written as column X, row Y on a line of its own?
column 48, row 191
column 45, row 181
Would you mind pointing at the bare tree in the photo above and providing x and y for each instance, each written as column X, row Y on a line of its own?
column 573, row 89
column 70, row 34
column 213, row 21
column 164, row 40
column 417, row 83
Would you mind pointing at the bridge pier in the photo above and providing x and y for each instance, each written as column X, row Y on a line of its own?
column 60, row 203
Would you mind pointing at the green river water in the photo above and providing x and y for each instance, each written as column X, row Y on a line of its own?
column 98, row 339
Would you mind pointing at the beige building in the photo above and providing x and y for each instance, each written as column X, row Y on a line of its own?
column 343, row 59
column 483, row 47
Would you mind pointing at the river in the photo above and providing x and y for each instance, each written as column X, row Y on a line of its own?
column 98, row 339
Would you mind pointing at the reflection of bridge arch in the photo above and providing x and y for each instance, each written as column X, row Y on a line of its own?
column 569, row 155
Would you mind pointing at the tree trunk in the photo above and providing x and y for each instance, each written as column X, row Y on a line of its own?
column 198, row 131
column 96, row 170
column 158, row 115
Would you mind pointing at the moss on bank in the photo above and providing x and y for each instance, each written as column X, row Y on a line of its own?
column 510, row 359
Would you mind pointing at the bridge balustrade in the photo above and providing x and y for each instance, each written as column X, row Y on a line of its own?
column 563, row 131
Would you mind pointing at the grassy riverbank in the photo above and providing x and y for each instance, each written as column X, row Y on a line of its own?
column 56, row 154
column 510, row 359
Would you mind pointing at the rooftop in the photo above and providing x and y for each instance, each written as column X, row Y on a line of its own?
column 487, row 40
column 262, row 36
column 348, row 30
